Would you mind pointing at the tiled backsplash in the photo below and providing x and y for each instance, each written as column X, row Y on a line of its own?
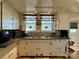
column 41, row 34
column 57, row 33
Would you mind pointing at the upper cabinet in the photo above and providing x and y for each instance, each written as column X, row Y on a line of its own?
column 10, row 17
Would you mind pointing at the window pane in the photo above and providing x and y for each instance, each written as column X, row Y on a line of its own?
column 73, row 30
column 46, row 27
column 46, row 23
column 46, row 17
column 73, row 27
column 8, row 24
column 30, row 23
column 30, row 27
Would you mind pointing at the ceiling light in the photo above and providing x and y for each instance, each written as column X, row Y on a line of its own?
column 77, row 0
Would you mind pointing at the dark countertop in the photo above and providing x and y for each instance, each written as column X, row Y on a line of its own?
column 44, row 38
column 4, row 45
column 32, row 38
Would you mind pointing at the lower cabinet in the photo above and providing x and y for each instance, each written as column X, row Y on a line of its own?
column 43, row 47
column 11, row 54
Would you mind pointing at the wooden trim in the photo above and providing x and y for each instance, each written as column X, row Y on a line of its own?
column 39, row 14
column 1, row 13
column 42, row 57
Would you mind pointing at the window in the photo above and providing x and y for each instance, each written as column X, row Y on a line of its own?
column 46, row 23
column 43, row 23
column 73, row 27
column 9, row 24
column 30, row 23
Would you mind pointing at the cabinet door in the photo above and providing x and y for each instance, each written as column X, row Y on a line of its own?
column 52, row 48
column 57, row 47
column 21, row 47
column 44, row 47
column 28, row 47
column 32, row 47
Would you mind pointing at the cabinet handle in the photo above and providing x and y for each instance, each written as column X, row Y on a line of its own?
column 38, row 48
column 65, row 49
column 24, row 47
column 26, row 43
column 26, row 53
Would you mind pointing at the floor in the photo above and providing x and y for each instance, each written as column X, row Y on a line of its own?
column 74, row 55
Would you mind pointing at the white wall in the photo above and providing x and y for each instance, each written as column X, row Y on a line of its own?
column 64, row 23
column 63, row 20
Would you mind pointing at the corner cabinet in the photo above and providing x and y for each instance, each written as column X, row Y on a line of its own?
column 11, row 54
column 51, row 47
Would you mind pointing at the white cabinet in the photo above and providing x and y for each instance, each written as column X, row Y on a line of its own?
column 11, row 54
column 55, row 47
column 59, row 47
column 27, row 48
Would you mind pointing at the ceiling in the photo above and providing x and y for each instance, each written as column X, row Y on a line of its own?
column 24, row 6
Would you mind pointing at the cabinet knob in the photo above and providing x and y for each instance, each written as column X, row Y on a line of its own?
column 36, row 54
column 50, row 53
column 26, row 53
column 41, row 54
column 51, row 43
column 37, row 48
column 24, row 47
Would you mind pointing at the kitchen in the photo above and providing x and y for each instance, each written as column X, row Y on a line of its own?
column 38, row 29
